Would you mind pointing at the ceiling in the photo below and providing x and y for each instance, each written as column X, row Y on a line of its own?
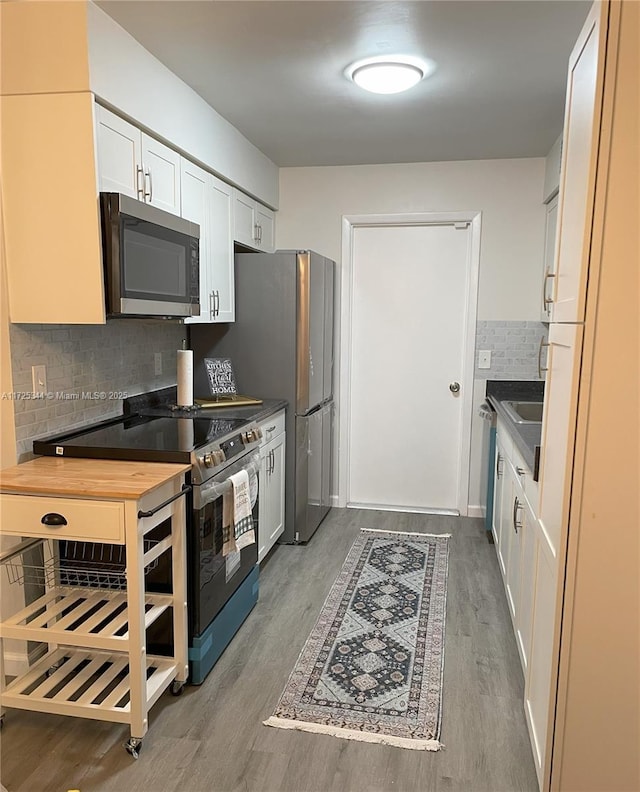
column 275, row 71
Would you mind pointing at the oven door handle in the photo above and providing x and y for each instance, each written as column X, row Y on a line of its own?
column 218, row 486
column 185, row 488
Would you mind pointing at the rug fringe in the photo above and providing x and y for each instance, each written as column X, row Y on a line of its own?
column 408, row 533
column 350, row 734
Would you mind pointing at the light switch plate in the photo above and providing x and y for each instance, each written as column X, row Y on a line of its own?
column 484, row 359
column 39, row 379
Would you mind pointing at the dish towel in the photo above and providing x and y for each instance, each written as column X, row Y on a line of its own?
column 236, row 512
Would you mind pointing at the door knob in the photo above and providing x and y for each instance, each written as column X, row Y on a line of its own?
column 454, row 387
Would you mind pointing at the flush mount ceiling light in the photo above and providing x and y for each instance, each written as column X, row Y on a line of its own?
column 389, row 74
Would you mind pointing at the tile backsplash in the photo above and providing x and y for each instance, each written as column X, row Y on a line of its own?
column 89, row 369
column 514, row 349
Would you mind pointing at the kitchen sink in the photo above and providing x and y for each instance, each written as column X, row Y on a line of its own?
column 522, row 412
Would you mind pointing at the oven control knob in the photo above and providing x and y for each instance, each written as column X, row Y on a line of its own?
column 208, row 460
column 258, row 433
column 248, row 437
column 219, row 456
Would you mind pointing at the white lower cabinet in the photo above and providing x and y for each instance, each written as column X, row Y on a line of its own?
column 271, row 493
column 528, row 569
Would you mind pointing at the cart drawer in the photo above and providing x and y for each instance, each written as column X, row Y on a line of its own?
column 94, row 521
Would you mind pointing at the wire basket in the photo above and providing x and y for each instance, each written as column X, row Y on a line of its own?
column 78, row 564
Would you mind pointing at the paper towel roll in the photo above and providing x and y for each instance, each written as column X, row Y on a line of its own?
column 185, row 434
column 185, row 378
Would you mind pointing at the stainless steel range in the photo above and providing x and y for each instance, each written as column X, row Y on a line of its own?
column 223, row 587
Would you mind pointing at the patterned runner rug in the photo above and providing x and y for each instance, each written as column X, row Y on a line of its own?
column 372, row 667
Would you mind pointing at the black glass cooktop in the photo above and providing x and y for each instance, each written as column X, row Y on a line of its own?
column 140, row 438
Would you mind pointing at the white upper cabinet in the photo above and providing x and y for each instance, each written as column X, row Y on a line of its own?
column 578, row 170
column 207, row 201
column 551, row 224
column 135, row 164
column 254, row 224
column 552, row 171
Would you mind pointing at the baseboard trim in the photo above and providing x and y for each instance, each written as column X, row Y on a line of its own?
column 476, row 511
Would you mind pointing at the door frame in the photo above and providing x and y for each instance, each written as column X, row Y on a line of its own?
column 349, row 223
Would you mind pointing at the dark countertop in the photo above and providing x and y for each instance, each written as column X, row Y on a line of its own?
column 166, row 396
column 525, row 436
column 252, row 412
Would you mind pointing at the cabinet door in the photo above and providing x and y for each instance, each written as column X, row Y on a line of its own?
column 195, row 203
column 579, row 162
column 161, row 167
column 271, row 503
column 276, row 487
column 265, row 220
column 513, row 528
column 119, row 155
column 538, row 680
column 244, row 219
column 221, row 277
column 558, row 431
column 528, row 561
column 551, row 222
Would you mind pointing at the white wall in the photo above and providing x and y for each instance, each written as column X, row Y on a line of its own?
column 507, row 192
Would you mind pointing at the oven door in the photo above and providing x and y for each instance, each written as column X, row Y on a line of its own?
column 214, row 576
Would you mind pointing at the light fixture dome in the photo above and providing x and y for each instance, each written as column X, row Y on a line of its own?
column 389, row 74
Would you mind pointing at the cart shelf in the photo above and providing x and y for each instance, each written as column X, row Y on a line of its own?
column 86, row 683
column 80, row 617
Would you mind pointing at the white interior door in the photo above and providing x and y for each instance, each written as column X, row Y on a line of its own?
column 412, row 324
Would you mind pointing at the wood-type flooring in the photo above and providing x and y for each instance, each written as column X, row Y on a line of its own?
column 211, row 739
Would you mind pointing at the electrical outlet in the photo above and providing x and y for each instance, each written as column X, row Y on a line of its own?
column 39, row 379
column 157, row 359
column 484, row 359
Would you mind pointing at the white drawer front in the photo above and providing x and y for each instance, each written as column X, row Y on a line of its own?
column 272, row 427
column 90, row 521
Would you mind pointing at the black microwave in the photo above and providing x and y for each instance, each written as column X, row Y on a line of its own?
column 151, row 260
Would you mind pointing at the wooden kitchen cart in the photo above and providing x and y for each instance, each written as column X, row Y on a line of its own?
column 90, row 614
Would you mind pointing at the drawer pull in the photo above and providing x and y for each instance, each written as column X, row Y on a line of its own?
column 53, row 520
column 271, row 428
column 520, row 471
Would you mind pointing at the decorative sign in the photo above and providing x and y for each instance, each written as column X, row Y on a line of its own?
column 222, row 381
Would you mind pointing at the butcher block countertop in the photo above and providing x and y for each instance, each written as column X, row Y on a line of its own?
column 88, row 478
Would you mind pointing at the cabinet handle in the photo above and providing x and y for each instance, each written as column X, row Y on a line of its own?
column 255, row 232
column 139, row 189
column 271, row 428
column 53, row 520
column 498, row 469
column 259, row 233
column 216, row 303
column 516, row 506
column 149, row 195
column 542, row 368
column 212, row 309
column 546, row 301
column 520, row 471
column 271, row 462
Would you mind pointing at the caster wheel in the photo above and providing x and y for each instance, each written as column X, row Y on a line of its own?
column 177, row 688
column 133, row 746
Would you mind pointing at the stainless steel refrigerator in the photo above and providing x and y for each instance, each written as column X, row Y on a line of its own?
column 281, row 346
